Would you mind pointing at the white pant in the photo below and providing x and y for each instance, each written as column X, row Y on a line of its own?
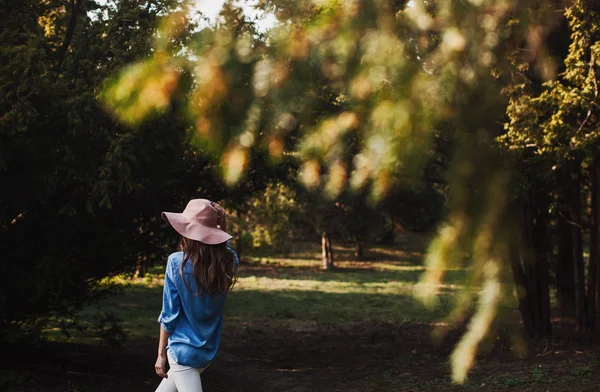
column 181, row 378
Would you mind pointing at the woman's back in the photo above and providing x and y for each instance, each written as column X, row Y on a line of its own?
column 192, row 315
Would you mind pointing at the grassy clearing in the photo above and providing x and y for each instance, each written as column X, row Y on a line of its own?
column 294, row 289
column 291, row 290
column 292, row 326
column 343, row 295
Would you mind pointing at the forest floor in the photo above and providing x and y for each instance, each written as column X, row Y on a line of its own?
column 290, row 326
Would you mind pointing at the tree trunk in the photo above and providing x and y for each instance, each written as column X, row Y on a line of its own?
column 393, row 222
column 537, row 273
column 530, row 266
column 565, row 278
column 330, row 251
column 358, row 250
column 238, row 241
column 523, row 297
column 574, row 217
column 592, row 287
column 141, row 267
column 326, row 251
column 238, row 245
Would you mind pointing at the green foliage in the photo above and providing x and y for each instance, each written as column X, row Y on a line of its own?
column 511, row 381
column 81, row 195
column 363, row 101
column 107, row 326
column 364, row 94
column 11, row 378
column 540, row 376
column 552, row 137
column 581, row 371
column 561, row 119
column 416, row 210
column 271, row 220
column 266, row 220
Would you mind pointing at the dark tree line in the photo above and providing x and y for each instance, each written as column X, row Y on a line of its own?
column 80, row 194
column 552, row 134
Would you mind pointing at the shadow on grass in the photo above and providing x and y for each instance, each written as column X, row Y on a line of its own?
column 315, row 306
column 135, row 310
column 351, row 275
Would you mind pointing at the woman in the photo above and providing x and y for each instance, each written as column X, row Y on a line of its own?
column 197, row 281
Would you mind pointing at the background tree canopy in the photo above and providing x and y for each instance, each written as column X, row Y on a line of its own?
column 345, row 121
column 80, row 194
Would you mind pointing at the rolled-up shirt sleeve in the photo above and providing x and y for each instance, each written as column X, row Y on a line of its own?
column 171, row 305
column 236, row 260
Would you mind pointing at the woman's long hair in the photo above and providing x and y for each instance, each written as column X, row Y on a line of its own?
column 212, row 265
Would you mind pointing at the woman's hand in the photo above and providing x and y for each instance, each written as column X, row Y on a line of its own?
column 161, row 366
column 161, row 362
column 222, row 219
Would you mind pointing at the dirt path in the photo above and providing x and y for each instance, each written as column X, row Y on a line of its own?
column 349, row 357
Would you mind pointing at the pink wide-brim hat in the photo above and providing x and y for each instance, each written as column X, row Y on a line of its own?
column 200, row 221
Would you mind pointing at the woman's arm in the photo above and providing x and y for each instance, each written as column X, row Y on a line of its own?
column 161, row 360
column 167, row 319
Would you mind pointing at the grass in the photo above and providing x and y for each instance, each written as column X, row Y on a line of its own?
column 357, row 326
column 289, row 290
column 134, row 308
column 511, row 381
column 340, row 296
column 581, row 371
column 295, row 288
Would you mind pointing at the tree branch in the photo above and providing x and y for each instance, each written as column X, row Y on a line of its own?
column 62, row 51
column 593, row 74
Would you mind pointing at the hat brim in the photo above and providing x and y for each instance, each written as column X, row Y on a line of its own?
column 194, row 230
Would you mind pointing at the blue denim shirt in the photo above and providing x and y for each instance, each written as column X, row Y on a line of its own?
column 194, row 321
